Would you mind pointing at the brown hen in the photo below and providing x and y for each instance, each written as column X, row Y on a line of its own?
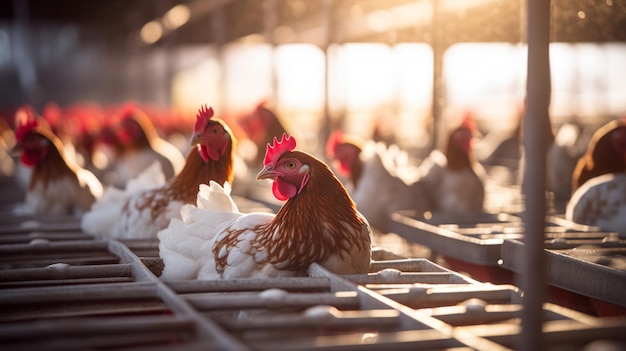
column 141, row 213
column 318, row 223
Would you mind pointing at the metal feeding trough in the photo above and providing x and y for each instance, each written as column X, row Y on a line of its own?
column 593, row 266
column 476, row 238
column 582, row 259
column 469, row 243
column 473, row 238
column 67, row 291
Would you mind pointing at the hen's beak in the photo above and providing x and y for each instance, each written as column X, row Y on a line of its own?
column 196, row 139
column 267, row 173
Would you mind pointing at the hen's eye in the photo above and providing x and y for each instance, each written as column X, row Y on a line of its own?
column 290, row 164
column 215, row 131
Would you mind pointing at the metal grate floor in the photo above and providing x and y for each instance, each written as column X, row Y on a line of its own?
column 63, row 290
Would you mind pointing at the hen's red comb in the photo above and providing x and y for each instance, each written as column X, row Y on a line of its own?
column 52, row 113
column 128, row 110
column 202, row 118
column 278, row 148
column 334, row 140
column 25, row 122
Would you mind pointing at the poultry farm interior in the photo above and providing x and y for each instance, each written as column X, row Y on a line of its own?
column 192, row 174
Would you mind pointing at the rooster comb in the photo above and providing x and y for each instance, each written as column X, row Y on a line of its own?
column 277, row 148
column 25, row 122
column 202, row 118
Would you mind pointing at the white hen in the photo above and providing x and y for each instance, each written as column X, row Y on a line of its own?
column 454, row 179
column 382, row 180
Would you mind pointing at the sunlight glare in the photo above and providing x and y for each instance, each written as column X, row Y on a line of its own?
column 151, row 32
column 197, row 86
column 300, row 71
column 176, row 16
column 247, row 75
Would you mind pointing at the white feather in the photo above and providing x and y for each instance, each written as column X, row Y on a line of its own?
column 600, row 201
column 59, row 196
column 132, row 165
column 453, row 191
column 105, row 216
column 186, row 245
column 381, row 190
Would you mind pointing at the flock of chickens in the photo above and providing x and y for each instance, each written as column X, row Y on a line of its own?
column 148, row 190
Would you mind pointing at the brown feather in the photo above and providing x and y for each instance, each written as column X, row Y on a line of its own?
column 55, row 165
column 457, row 157
column 600, row 157
column 184, row 186
column 311, row 225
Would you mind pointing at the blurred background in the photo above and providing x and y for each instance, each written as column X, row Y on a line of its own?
column 319, row 64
